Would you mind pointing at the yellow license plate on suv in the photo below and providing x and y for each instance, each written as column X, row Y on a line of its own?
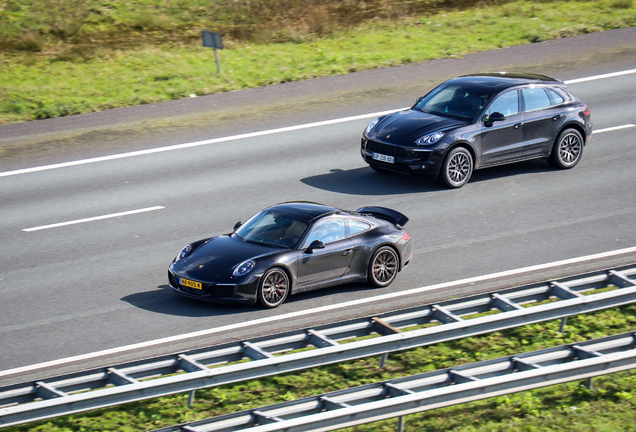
column 190, row 283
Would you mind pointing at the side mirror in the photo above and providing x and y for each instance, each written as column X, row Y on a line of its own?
column 237, row 225
column 316, row 244
column 496, row 116
column 419, row 99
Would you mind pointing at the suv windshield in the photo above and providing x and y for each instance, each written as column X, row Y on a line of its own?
column 272, row 229
column 455, row 100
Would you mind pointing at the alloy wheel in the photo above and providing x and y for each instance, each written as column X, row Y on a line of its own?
column 459, row 167
column 274, row 288
column 384, row 266
column 570, row 149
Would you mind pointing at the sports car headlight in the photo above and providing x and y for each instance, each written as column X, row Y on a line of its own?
column 430, row 138
column 371, row 125
column 244, row 268
column 184, row 253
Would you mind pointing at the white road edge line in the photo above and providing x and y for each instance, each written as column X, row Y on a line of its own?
column 597, row 77
column 196, row 143
column 249, row 135
column 90, row 219
column 609, row 129
column 287, row 316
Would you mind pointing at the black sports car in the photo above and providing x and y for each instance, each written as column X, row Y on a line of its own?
column 290, row 248
column 478, row 121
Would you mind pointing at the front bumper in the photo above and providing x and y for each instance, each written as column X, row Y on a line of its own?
column 216, row 292
column 424, row 162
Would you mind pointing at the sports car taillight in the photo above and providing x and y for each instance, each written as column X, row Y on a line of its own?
column 586, row 112
column 406, row 236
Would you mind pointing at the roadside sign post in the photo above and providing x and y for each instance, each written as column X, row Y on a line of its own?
column 213, row 40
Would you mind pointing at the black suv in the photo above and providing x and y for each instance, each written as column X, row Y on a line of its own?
column 478, row 121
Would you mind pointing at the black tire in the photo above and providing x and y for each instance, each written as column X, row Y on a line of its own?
column 273, row 288
column 383, row 267
column 457, row 168
column 567, row 150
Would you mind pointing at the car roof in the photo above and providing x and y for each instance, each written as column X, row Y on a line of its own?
column 303, row 210
column 498, row 81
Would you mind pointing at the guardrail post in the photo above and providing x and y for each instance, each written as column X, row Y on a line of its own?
column 400, row 425
column 589, row 384
column 191, row 398
column 383, row 359
column 564, row 321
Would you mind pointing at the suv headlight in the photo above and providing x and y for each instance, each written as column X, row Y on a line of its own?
column 430, row 138
column 371, row 125
column 244, row 268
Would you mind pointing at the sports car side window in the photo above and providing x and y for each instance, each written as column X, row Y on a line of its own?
column 356, row 227
column 507, row 104
column 535, row 98
column 327, row 231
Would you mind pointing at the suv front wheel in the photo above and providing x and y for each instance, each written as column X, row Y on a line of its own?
column 457, row 168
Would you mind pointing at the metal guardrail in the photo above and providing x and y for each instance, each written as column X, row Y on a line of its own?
column 103, row 387
column 430, row 390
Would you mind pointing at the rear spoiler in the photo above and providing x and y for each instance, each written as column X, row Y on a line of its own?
column 396, row 218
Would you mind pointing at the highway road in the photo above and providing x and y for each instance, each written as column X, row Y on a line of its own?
column 100, row 284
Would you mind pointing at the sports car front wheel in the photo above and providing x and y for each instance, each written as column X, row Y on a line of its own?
column 273, row 288
column 383, row 267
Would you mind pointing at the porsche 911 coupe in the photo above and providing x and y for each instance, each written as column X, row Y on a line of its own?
column 291, row 248
column 479, row 121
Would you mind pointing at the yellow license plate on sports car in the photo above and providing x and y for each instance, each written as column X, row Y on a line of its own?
column 191, row 284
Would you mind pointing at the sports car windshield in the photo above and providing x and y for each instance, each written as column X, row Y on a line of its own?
column 271, row 228
column 455, row 100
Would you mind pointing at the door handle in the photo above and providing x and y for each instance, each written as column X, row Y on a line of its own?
column 347, row 252
column 518, row 125
column 556, row 117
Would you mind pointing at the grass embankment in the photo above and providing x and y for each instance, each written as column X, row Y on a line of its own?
column 610, row 406
column 120, row 57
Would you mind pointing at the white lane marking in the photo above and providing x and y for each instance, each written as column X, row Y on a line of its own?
column 90, row 219
column 597, row 77
column 247, row 135
column 196, row 143
column 609, row 129
column 288, row 316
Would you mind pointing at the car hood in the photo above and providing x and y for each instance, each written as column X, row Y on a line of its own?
column 216, row 258
column 404, row 127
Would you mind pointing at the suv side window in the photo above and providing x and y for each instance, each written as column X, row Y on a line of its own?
column 556, row 97
column 327, row 231
column 535, row 98
column 507, row 104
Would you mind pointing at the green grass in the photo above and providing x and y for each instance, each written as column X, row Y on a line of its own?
column 76, row 77
column 610, row 406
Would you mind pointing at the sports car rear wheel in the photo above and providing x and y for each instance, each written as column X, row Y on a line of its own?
column 383, row 267
column 273, row 288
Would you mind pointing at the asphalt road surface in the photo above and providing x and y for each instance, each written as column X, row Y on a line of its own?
column 100, row 284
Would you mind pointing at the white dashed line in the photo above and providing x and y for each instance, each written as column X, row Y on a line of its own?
column 78, row 221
